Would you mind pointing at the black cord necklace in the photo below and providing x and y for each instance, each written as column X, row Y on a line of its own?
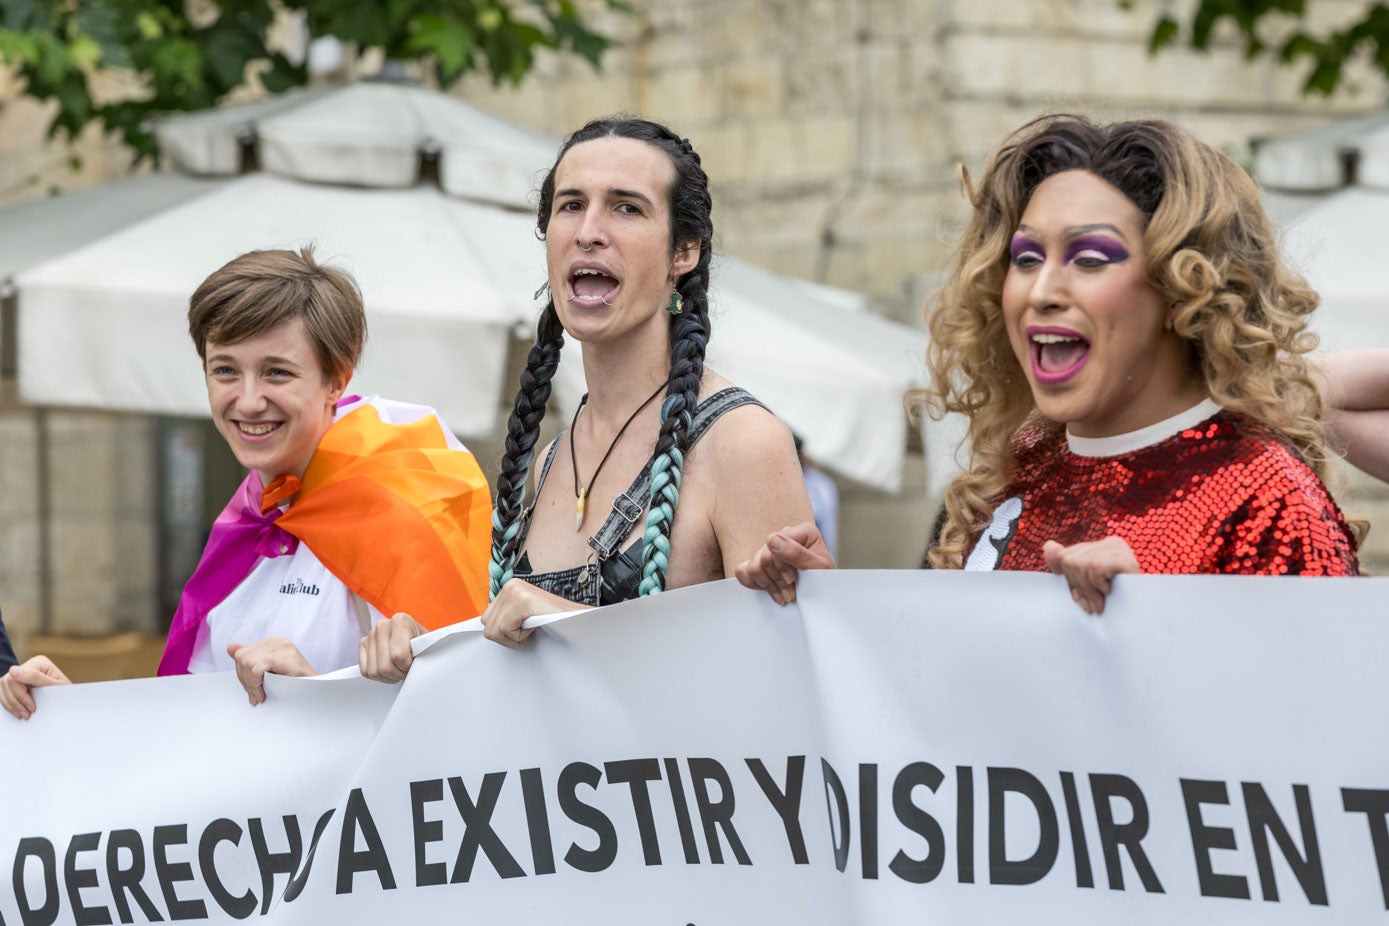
column 582, row 493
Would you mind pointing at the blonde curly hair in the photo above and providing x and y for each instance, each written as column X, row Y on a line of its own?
column 1210, row 250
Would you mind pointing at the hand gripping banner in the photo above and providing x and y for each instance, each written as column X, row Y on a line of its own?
column 897, row 747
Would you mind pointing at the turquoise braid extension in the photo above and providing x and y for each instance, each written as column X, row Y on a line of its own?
column 500, row 571
column 665, row 496
column 500, row 568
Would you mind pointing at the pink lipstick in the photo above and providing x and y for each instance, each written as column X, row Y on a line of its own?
column 1058, row 354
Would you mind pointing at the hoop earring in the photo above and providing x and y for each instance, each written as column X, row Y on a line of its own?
column 677, row 302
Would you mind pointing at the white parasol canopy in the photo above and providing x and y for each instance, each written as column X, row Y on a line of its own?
column 1335, row 245
column 1329, row 189
column 1326, row 159
column 102, row 278
column 368, row 134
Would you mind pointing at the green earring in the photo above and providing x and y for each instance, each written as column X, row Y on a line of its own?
column 676, row 304
column 544, row 287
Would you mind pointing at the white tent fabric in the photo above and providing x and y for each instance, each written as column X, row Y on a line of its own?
column 1286, row 208
column 1329, row 189
column 104, row 325
column 38, row 230
column 368, row 134
column 209, row 143
column 102, row 293
column 806, row 357
column 1335, row 244
column 1316, row 161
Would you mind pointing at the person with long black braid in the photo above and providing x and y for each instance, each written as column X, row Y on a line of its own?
column 668, row 475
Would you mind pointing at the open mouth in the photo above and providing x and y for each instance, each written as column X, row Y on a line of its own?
column 1057, row 355
column 592, row 286
column 258, row 428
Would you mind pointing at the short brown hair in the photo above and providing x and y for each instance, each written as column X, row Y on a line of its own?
column 261, row 290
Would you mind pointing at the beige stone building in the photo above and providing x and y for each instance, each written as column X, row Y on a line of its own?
column 831, row 130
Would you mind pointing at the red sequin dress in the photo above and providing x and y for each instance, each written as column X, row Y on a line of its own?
column 1216, row 494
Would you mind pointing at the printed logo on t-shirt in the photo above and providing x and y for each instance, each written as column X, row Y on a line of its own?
column 993, row 543
column 298, row 587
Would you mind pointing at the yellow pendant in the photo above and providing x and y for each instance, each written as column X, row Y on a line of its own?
column 579, row 509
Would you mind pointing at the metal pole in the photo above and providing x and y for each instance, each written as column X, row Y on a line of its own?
column 9, row 329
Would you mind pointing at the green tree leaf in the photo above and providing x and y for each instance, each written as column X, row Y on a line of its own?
column 1299, row 45
column 56, row 46
column 17, row 49
column 1164, row 34
column 75, row 106
column 1327, row 52
column 365, row 23
column 149, row 25
column 53, row 61
column 228, row 50
column 102, row 23
column 178, row 61
column 283, row 75
column 20, row 15
column 85, row 52
column 448, row 40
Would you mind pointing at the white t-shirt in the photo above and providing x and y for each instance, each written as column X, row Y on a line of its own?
column 292, row 596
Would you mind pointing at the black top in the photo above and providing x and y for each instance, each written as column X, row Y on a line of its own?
column 613, row 575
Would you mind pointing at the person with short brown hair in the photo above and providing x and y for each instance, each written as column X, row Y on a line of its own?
column 354, row 509
column 262, row 290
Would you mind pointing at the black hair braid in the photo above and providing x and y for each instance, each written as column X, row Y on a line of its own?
column 691, row 206
column 522, row 431
column 689, row 340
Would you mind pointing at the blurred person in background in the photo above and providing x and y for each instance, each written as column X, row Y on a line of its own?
column 824, row 498
column 1355, row 384
column 7, row 658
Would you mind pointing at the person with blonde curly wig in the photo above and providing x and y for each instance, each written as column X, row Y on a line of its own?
column 1130, row 350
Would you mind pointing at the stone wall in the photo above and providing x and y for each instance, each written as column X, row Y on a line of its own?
column 19, row 521
column 1365, row 498
column 100, row 530
column 832, row 128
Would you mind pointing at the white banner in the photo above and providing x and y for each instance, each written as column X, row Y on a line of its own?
column 899, row 747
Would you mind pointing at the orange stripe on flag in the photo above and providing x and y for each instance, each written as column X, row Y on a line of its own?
column 401, row 519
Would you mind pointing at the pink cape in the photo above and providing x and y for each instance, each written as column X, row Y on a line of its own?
column 239, row 537
column 391, row 503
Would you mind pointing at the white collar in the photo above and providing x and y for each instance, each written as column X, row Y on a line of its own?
column 1143, row 437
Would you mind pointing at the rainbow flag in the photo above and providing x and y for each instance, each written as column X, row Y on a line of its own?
column 391, row 503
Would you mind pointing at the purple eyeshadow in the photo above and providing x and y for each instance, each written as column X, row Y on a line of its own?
column 1022, row 244
column 1112, row 250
